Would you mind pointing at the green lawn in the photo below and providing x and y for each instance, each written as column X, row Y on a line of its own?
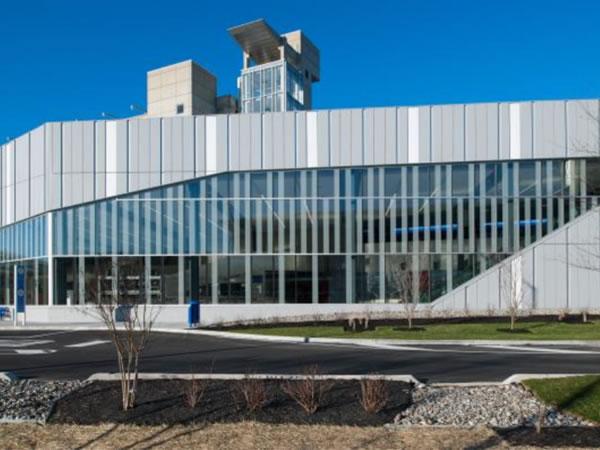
column 528, row 331
column 579, row 395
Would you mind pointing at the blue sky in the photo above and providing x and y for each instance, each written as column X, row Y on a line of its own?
column 66, row 60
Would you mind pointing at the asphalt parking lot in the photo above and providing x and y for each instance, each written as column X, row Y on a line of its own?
column 60, row 354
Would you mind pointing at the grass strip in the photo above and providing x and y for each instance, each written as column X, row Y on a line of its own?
column 535, row 331
column 578, row 395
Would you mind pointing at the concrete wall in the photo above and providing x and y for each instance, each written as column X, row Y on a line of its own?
column 176, row 315
column 64, row 164
column 185, row 83
column 560, row 271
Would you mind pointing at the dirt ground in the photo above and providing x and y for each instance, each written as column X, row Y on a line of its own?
column 251, row 435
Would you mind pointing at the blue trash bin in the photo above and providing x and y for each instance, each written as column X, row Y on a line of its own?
column 123, row 313
column 193, row 313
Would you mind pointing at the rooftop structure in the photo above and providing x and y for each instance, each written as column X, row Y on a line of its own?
column 277, row 70
column 185, row 89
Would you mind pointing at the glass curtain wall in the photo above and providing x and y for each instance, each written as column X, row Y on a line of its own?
column 262, row 88
column 317, row 235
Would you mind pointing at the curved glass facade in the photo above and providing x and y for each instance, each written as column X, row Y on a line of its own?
column 331, row 235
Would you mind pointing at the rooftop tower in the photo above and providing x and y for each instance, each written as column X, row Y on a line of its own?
column 278, row 70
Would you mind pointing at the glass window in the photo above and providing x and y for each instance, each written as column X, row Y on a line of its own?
column 527, row 178
column 291, row 187
column 265, row 279
column 66, row 281
column 463, row 267
column 460, row 180
column 277, row 78
column 268, row 103
column 267, row 80
column 438, row 276
column 592, row 176
column 325, row 183
column 170, row 279
column 256, row 84
column 493, row 179
column 258, row 185
column 256, row 105
column 298, row 279
column 393, row 184
column 231, row 279
column 366, row 278
column 332, row 279
column 398, row 278
column 277, row 106
column 359, row 182
column 425, row 182
column 247, row 86
column 223, row 186
column 205, row 279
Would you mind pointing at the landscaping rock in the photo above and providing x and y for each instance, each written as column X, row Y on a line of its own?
column 503, row 406
column 31, row 400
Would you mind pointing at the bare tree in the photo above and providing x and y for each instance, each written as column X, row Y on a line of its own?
column 404, row 289
column 117, row 293
column 511, row 288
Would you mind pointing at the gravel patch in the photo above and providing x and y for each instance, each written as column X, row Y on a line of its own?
column 32, row 400
column 504, row 406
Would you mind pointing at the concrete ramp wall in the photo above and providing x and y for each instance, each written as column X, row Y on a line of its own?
column 559, row 272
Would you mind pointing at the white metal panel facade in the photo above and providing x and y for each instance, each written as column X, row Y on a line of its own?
column 84, row 161
column 38, row 172
column 22, row 176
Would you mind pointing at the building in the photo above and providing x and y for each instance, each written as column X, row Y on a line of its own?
column 305, row 212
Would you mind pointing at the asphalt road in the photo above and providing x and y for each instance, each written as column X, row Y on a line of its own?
column 78, row 354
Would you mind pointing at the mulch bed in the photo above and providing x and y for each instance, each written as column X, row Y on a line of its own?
column 162, row 402
column 401, row 322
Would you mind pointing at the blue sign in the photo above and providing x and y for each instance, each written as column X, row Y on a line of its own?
column 20, row 289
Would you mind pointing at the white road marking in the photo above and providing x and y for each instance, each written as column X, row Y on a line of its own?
column 539, row 349
column 34, row 351
column 481, row 348
column 87, row 344
column 32, row 336
column 413, row 349
column 10, row 343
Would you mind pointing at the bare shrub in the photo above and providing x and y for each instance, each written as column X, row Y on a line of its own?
column 512, row 289
column 563, row 314
column 193, row 391
column 406, row 288
column 308, row 392
column 358, row 323
column 252, row 393
column 374, row 394
column 117, row 293
column 539, row 422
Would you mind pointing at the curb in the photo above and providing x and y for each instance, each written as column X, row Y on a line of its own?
column 516, row 378
column 259, row 376
column 322, row 340
column 318, row 340
column 520, row 377
column 8, row 377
